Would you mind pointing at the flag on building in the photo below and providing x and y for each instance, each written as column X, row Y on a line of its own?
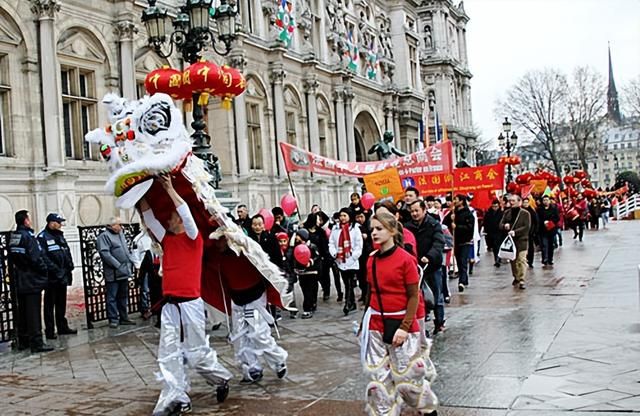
column 285, row 21
column 352, row 52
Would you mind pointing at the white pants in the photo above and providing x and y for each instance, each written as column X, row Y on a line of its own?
column 183, row 340
column 251, row 337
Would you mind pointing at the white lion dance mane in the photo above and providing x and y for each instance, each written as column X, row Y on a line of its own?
column 146, row 138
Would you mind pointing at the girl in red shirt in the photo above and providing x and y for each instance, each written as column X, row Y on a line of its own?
column 393, row 359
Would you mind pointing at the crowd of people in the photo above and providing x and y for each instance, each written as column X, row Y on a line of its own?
column 393, row 260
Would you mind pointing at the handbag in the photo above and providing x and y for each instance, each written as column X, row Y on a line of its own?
column 390, row 326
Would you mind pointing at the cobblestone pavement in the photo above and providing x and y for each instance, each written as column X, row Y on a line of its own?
column 569, row 344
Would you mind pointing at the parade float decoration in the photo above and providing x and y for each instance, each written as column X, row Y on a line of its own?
column 147, row 138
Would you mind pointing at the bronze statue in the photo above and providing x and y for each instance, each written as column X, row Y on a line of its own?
column 385, row 148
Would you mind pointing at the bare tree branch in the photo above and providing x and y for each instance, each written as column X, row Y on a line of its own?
column 631, row 97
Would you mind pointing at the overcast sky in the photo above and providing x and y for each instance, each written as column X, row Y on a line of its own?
column 507, row 38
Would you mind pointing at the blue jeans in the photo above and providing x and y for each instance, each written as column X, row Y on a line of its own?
column 434, row 280
column 462, row 259
column 117, row 300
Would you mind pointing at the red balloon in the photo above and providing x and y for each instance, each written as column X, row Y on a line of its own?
column 302, row 254
column 367, row 200
column 288, row 204
column 268, row 218
column 549, row 225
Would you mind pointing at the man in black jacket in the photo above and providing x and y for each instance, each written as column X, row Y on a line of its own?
column 28, row 273
column 548, row 218
column 57, row 257
column 495, row 236
column 533, row 231
column 462, row 223
column 430, row 241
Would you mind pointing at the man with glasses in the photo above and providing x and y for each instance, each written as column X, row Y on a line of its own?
column 516, row 222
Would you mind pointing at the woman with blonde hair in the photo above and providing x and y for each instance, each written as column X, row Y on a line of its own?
column 390, row 339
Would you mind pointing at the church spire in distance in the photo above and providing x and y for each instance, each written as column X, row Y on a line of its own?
column 613, row 107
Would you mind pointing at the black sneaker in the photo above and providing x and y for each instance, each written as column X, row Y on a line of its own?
column 126, row 322
column 325, row 298
column 51, row 336
column 307, row 315
column 42, row 348
column 282, row 372
column 222, row 392
column 514, row 283
column 68, row 331
column 460, row 288
column 339, row 297
column 185, row 408
column 254, row 377
column 522, row 286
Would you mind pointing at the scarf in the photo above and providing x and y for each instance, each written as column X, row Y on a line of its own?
column 344, row 244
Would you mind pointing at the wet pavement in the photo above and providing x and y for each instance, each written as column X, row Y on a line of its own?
column 567, row 345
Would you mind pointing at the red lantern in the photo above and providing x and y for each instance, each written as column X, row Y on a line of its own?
column 513, row 188
column 568, row 180
column 580, row 174
column 586, row 183
column 165, row 80
column 201, row 77
column 232, row 84
column 590, row 193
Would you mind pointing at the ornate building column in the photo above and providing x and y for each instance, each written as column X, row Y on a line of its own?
column 348, row 115
column 125, row 31
column 238, row 60
column 311, row 88
column 45, row 11
column 277, row 74
column 341, row 132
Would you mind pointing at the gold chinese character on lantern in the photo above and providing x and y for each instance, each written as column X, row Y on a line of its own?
column 186, row 78
column 204, row 72
column 175, row 80
column 155, row 79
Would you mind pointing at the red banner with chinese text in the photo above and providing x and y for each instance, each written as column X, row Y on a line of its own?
column 462, row 180
column 437, row 158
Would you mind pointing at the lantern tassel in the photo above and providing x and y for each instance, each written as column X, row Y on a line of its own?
column 226, row 103
column 204, row 98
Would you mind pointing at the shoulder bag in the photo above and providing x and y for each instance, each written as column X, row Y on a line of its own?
column 390, row 326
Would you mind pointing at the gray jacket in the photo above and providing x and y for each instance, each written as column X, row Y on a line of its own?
column 117, row 259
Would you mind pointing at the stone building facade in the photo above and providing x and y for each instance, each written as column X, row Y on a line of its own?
column 354, row 69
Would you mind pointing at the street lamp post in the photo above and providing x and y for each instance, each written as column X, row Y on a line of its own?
column 507, row 143
column 189, row 36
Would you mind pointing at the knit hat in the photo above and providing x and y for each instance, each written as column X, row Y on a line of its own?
column 303, row 234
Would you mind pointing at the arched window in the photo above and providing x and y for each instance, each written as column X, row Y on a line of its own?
column 292, row 108
column 255, row 102
column 83, row 67
column 12, row 54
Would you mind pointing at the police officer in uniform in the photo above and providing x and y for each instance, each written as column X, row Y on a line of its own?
column 57, row 256
column 28, row 272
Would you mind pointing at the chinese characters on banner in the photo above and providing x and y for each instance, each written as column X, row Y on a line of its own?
column 462, row 180
column 433, row 159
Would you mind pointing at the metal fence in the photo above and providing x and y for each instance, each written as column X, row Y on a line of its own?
column 95, row 294
column 7, row 296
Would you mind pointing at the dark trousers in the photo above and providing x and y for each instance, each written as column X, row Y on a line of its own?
column 362, row 278
column 309, row 286
column 117, row 300
column 55, row 309
column 493, row 244
column 434, row 280
column 336, row 278
column 462, row 259
column 531, row 250
column 445, row 282
column 29, row 320
column 325, row 276
column 546, row 242
column 349, row 280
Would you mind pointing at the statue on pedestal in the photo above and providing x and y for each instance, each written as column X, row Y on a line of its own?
column 385, row 149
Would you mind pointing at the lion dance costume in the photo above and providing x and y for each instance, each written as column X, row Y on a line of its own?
column 147, row 138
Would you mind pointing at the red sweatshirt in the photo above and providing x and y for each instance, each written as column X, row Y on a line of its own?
column 394, row 272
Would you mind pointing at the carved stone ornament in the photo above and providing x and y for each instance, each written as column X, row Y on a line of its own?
column 311, row 84
column 125, row 30
column 277, row 75
column 45, row 8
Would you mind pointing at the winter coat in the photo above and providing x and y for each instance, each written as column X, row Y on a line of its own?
column 57, row 256
column 430, row 240
column 491, row 222
column 269, row 245
column 465, row 226
column 27, row 267
column 520, row 225
column 547, row 214
column 352, row 262
column 117, row 260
